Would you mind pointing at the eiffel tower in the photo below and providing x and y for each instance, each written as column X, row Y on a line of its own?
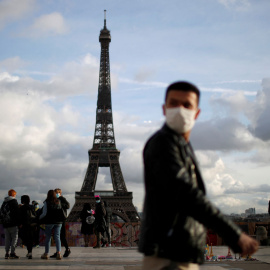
column 104, row 152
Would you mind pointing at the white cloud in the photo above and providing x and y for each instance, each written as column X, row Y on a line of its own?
column 238, row 124
column 237, row 81
column 230, row 205
column 38, row 151
column 260, row 111
column 144, row 74
column 12, row 64
column 90, row 60
column 12, row 10
column 6, row 77
column 224, row 134
column 76, row 78
column 40, row 144
column 143, row 85
column 227, row 91
column 239, row 5
column 48, row 25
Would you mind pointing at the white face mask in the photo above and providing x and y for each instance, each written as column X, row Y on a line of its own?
column 180, row 119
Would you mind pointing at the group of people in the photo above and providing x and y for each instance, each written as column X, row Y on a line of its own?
column 96, row 221
column 24, row 220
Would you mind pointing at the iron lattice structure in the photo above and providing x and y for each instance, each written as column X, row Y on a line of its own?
column 104, row 152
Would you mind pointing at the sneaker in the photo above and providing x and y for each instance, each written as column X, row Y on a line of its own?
column 58, row 256
column 30, row 257
column 7, row 256
column 29, row 254
column 14, row 256
column 110, row 245
column 44, row 256
column 104, row 243
column 67, row 252
column 54, row 255
column 96, row 247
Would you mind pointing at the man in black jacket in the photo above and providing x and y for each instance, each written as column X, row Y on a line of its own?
column 65, row 205
column 11, row 218
column 177, row 239
column 100, row 223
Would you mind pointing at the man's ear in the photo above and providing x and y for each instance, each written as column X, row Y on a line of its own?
column 164, row 109
column 197, row 113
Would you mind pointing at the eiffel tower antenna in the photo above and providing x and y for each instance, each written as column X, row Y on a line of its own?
column 104, row 152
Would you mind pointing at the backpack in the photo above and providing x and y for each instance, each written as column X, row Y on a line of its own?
column 5, row 214
column 31, row 216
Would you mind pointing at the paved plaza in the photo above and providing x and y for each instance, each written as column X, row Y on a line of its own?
column 115, row 258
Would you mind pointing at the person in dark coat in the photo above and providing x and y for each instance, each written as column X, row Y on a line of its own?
column 28, row 224
column 52, row 217
column 100, row 223
column 11, row 221
column 38, row 211
column 171, row 172
column 87, row 227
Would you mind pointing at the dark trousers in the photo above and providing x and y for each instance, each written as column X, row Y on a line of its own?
column 36, row 235
column 28, row 236
column 107, row 230
column 63, row 235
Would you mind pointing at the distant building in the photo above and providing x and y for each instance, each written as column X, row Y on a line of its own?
column 250, row 211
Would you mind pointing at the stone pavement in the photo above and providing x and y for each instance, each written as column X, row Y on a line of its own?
column 116, row 258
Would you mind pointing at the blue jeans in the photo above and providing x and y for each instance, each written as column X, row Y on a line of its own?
column 48, row 233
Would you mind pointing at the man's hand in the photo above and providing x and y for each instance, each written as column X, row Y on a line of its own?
column 247, row 244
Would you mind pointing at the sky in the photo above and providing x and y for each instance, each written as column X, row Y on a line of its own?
column 49, row 69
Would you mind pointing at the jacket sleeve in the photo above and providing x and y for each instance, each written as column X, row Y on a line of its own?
column 65, row 204
column 103, row 210
column 167, row 165
column 44, row 211
column 16, row 212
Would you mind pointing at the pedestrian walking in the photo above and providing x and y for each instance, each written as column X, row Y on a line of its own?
column 10, row 217
column 65, row 205
column 52, row 217
column 100, row 223
column 171, row 172
column 37, row 227
column 87, row 220
column 28, row 224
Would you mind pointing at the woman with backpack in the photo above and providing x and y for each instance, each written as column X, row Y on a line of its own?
column 52, row 217
column 10, row 217
column 87, row 220
column 28, row 222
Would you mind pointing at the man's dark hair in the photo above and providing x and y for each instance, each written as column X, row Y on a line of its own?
column 25, row 199
column 183, row 86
